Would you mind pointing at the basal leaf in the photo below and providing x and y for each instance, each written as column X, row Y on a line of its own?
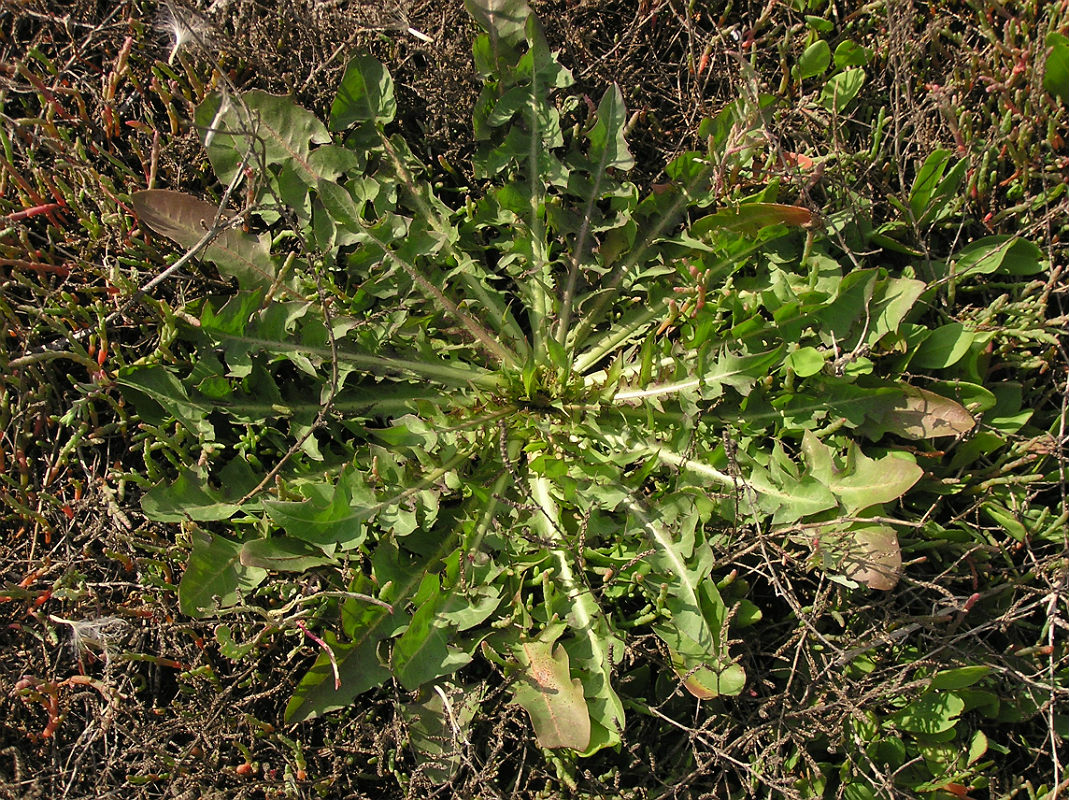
column 705, row 683
column 891, row 305
column 608, row 146
column 934, row 712
column 1056, row 67
column 331, row 514
column 438, row 726
column 424, row 653
column 551, row 696
column 787, row 497
column 752, row 217
column 186, row 220
column 358, row 663
column 163, row 387
column 214, row 575
column 944, row 348
column 283, row 554
column 359, row 669
column 873, row 556
column 920, row 414
column 260, row 130
column 860, row 482
column 842, row 88
column 365, row 95
column 595, row 647
column 697, row 612
column 504, row 20
column 189, row 497
column 850, row 310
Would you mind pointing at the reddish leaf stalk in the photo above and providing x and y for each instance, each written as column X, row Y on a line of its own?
column 330, row 653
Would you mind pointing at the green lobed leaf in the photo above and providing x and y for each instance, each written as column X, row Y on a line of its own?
column 693, row 632
column 163, row 387
column 424, row 653
column 786, row 494
column 860, row 482
column 189, row 497
column 358, row 662
column 551, row 696
column 330, row 514
column 608, row 145
column 595, row 646
column 261, row 130
column 215, row 577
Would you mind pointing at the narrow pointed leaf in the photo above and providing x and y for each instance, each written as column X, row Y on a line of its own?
column 608, row 146
column 751, row 217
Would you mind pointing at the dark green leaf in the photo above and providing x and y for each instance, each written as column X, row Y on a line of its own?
column 365, row 95
column 283, row 554
column 168, row 391
column 189, row 497
column 814, row 61
column 215, row 576
column 424, row 653
column 1056, row 67
column 359, row 667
